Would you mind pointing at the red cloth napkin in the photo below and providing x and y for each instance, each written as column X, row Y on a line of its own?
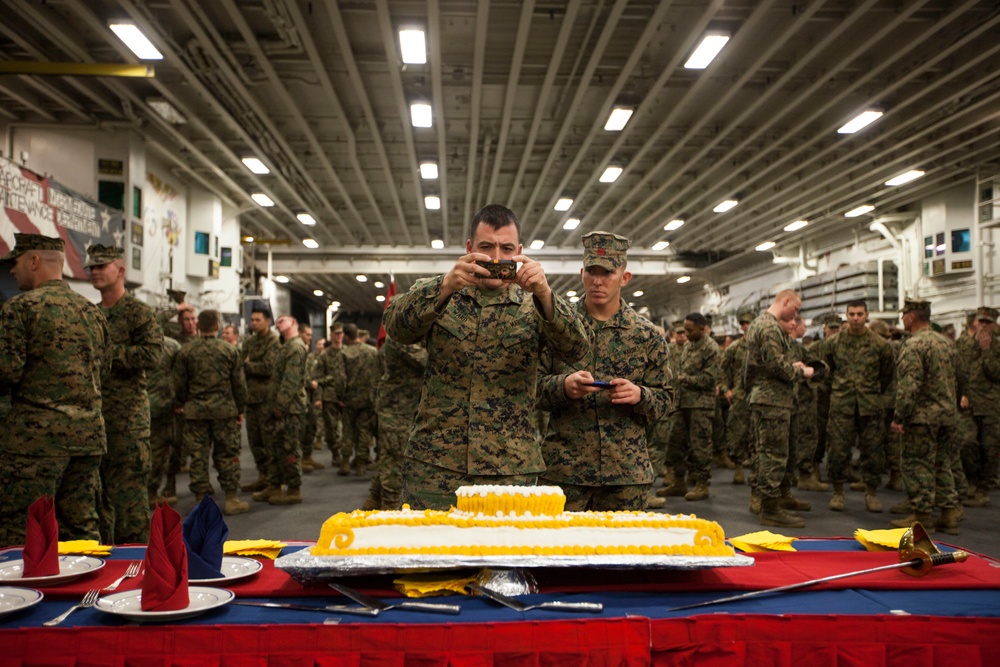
column 41, row 545
column 165, row 580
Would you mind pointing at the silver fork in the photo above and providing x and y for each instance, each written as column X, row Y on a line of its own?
column 88, row 601
column 132, row 571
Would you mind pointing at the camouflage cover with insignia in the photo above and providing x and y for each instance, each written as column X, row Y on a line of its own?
column 208, row 380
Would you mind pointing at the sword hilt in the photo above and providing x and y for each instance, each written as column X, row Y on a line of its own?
column 920, row 562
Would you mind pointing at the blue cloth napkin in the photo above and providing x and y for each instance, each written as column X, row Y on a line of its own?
column 205, row 532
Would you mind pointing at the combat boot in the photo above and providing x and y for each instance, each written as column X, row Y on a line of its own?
column 859, row 486
column 837, row 501
column 699, row 492
column 258, row 485
column 771, row 514
column 655, row 502
column 980, row 499
column 265, row 495
column 896, row 481
column 789, row 502
column 907, row 521
column 738, row 476
column 345, row 469
column 306, row 466
column 902, row 507
column 948, row 521
column 289, row 497
column 675, row 490
column 872, row 503
column 811, row 482
column 755, row 502
column 316, row 465
column 234, row 505
column 360, row 469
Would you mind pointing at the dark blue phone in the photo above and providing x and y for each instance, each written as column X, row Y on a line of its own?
column 602, row 385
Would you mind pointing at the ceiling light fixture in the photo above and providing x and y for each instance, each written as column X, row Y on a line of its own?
column 262, row 199
column 428, row 171
column 660, row 245
column 796, row 226
column 137, row 42
column 862, row 120
column 611, row 174
column 706, row 51
column 563, row 204
column 310, row 243
column 380, row 298
column 361, row 278
column 570, row 293
column 378, row 284
column 618, row 118
column 765, row 246
column 571, row 223
column 412, row 46
column 317, row 292
column 911, row 175
column 248, row 239
column 255, row 165
column 673, row 225
column 282, row 279
column 421, row 114
column 683, row 279
column 432, row 202
column 537, row 244
column 306, row 219
column 574, row 299
column 727, row 205
column 437, row 244
column 861, row 210
column 638, row 293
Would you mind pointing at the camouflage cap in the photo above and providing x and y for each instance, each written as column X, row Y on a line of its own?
column 99, row 255
column 605, row 250
column 915, row 304
column 337, row 327
column 745, row 318
column 986, row 314
column 25, row 242
column 832, row 320
column 678, row 326
column 948, row 329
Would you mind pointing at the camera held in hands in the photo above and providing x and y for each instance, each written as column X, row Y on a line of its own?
column 500, row 269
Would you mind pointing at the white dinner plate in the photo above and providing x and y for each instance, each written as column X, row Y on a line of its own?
column 14, row 599
column 234, row 568
column 70, row 568
column 128, row 604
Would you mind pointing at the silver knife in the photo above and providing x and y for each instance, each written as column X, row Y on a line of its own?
column 358, row 611
column 517, row 605
column 379, row 605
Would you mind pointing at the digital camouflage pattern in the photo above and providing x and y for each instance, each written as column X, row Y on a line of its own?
column 160, row 381
column 731, row 379
column 358, row 417
column 803, row 433
column 861, row 369
column 310, row 425
column 164, row 443
column 982, row 455
column 396, row 403
column 477, row 406
column 332, row 380
column 698, row 374
column 287, row 394
column 53, row 347
column 259, row 352
column 427, row 486
column 590, row 442
column 689, row 448
column 136, row 346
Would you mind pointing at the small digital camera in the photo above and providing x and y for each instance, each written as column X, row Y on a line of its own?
column 500, row 269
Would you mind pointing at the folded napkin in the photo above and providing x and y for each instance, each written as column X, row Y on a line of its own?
column 205, row 531
column 880, row 540
column 432, row 584
column 165, row 580
column 84, row 548
column 267, row 548
column 41, row 545
column 762, row 540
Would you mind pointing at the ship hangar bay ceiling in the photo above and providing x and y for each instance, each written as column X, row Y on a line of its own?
column 519, row 94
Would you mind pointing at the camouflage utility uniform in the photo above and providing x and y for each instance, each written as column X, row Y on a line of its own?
column 362, row 371
column 982, row 454
column 52, row 354
column 164, row 449
column 689, row 450
column 210, row 387
column 259, row 352
column 595, row 450
column 287, row 395
column 731, row 380
column 476, row 416
column 331, row 377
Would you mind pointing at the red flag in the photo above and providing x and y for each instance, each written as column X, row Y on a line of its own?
column 391, row 292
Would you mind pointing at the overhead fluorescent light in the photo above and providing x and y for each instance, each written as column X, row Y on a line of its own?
column 683, row 279
column 413, row 47
column 335, row 304
column 611, row 174
column 706, row 51
column 863, row 119
column 796, row 226
column 166, row 110
column 437, row 244
column 661, row 245
column 432, row 202
column 378, row 284
column 673, row 225
column 638, row 293
column 255, row 165
column 421, row 114
column 618, row 119
column 861, row 210
column 571, row 223
column 574, row 299
column 570, row 293
column 310, row 243
column 765, row 246
column 262, row 199
column 563, row 204
column 537, row 244
column 726, row 206
column 282, row 279
column 428, row 170
column 911, row 175
column 361, row 278
column 247, row 239
column 380, row 298
column 306, row 219
column 137, row 42
column 317, row 292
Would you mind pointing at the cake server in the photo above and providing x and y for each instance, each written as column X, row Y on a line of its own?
column 358, row 611
column 378, row 605
column 517, row 605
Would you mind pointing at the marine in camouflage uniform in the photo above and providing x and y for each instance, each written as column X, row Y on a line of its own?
column 330, row 380
column 135, row 347
column 803, row 434
column 861, row 365
column 287, row 400
column 484, row 339
column 925, row 417
column 667, row 428
column 165, row 452
column 595, row 447
column 771, row 372
column 53, row 352
column 260, row 350
column 211, row 393
column 362, row 371
column 831, row 325
column 732, row 388
column 396, row 402
column 310, row 418
column 656, row 431
column 982, row 456
column 689, row 449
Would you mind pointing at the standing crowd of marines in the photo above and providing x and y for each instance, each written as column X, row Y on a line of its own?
column 481, row 380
